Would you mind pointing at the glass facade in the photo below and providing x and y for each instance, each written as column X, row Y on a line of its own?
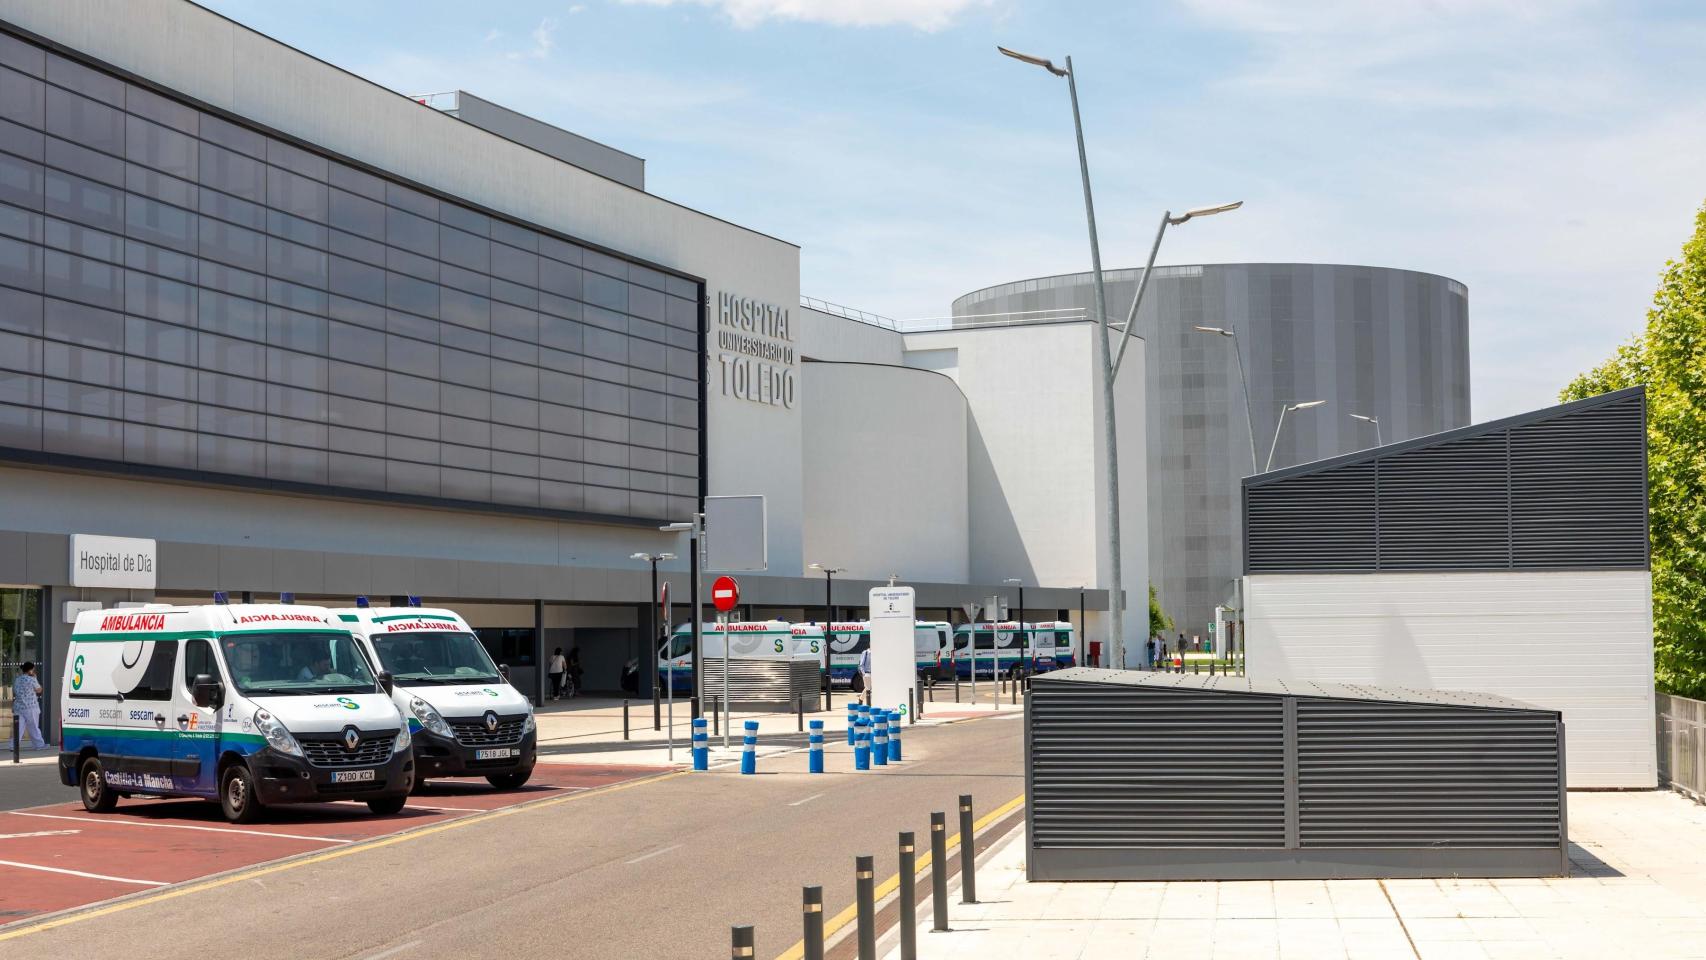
column 178, row 291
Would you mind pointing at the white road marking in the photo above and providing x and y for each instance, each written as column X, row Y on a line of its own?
column 381, row 955
column 806, row 800
column 38, row 833
column 655, row 853
column 118, row 821
column 79, row 873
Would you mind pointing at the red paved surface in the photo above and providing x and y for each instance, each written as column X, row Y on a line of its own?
column 146, row 844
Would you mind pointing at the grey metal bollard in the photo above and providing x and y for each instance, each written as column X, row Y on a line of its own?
column 811, row 922
column 908, row 918
column 740, row 942
column 800, row 714
column 968, row 853
column 864, row 883
column 624, row 719
column 939, row 869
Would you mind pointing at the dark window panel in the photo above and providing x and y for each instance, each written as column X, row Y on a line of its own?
column 467, row 369
column 345, row 440
column 516, row 266
column 684, row 339
column 465, row 309
column 236, row 357
column 413, row 201
column 298, row 370
column 404, row 390
column 644, row 433
column 407, row 293
column 297, row 404
column 515, row 351
column 224, row 390
column 349, row 380
column 82, row 436
column 297, row 160
column 681, row 363
column 561, row 334
column 520, row 491
column 607, row 476
column 19, row 389
column 85, row 80
column 162, row 148
column 232, row 316
column 159, row 341
column 22, row 141
column 514, row 464
column 409, row 448
column 463, row 218
column 401, row 261
column 606, row 397
column 357, row 312
column 679, row 287
column 226, row 207
column 160, row 224
column 681, row 313
column 641, row 481
column 357, row 181
column 560, row 250
column 233, row 245
column 357, row 248
column 224, row 455
column 516, row 236
column 20, row 353
column 515, row 412
column 646, row 277
column 465, row 484
column 653, row 461
column 231, row 423
column 560, row 446
column 232, row 173
column 605, row 264
column 356, row 344
column 356, row 214
column 20, row 264
column 646, row 303
column 295, row 330
column 366, row 473
column 166, row 263
column 646, row 405
column 467, row 402
column 411, row 478
column 355, row 414
column 412, row 423
column 561, row 307
column 20, row 55
column 166, row 112
column 82, row 241
column 95, row 400
column 604, row 426
column 464, row 250
column 473, row 282
column 22, row 183
column 159, row 186
column 469, row 433
column 296, row 194
column 352, row 279
column 232, row 137
column 406, row 355
column 295, row 432
column 683, row 440
column 294, row 296
column 162, row 379
column 554, row 495
column 605, row 345
column 515, row 293
column 560, row 388
column 409, row 325
column 66, row 362
column 84, row 122
column 681, row 412
column 604, row 370
column 564, row 420
column 297, row 230
column 561, row 362
column 606, row 292
column 565, row 471
column 460, row 340
column 683, row 486
column 295, row 263
column 601, row 454
column 515, row 322
column 412, row 233
column 160, row 411
column 606, row 319
column 296, row 465
column 83, row 162
column 646, row 355
column 515, row 378
column 81, row 279
column 647, row 330
column 605, row 500
column 683, row 464
column 84, row 201
column 646, row 380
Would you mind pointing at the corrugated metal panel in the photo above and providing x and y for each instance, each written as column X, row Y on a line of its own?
column 1414, row 775
column 761, row 680
column 1563, row 488
column 1152, row 767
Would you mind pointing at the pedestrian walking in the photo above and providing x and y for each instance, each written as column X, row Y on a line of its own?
column 865, row 675
column 26, row 703
column 559, row 667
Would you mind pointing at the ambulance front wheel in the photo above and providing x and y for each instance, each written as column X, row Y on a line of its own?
column 237, row 798
column 386, row 806
column 510, row 781
column 92, row 783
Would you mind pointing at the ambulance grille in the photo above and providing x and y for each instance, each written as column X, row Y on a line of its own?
column 472, row 732
column 328, row 750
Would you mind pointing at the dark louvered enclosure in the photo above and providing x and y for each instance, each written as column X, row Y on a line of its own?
column 1159, row 776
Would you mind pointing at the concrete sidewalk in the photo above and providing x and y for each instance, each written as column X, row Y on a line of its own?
column 1637, row 889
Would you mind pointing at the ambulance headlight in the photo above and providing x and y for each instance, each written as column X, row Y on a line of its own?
column 403, row 740
column 429, row 718
column 277, row 736
column 528, row 726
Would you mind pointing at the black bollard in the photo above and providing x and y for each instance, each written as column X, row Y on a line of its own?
column 811, row 907
column 865, row 900
column 939, row 869
column 908, row 918
column 716, row 718
column 624, row 719
column 800, row 714
column 968, row 853
column 17, row 732
column 740, row 943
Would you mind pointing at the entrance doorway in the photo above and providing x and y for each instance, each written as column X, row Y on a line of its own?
column 22, row 640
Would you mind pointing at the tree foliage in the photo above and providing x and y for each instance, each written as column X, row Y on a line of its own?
column 1669, row 357
column 1159, row 622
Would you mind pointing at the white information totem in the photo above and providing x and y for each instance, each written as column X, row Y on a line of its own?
column 893, row 669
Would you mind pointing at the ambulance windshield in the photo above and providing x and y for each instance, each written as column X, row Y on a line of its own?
column 296, row 663
column 435, row 657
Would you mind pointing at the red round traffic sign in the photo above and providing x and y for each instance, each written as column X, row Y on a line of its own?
column 725, row 593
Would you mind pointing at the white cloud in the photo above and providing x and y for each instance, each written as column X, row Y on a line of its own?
column 544, row 38
column 928, row 15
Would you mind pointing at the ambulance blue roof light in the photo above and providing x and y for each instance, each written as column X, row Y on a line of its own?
column 361, row 602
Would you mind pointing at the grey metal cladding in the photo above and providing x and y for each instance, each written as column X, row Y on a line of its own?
column 1142, row 776
column 1560, row 488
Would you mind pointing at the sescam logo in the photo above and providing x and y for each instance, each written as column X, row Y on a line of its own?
column 483, row 691
column 755, row 351
column 77, row 673
column 344, row 702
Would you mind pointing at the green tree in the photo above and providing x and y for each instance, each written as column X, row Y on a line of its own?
column 1669, row 357
column 1159, row 622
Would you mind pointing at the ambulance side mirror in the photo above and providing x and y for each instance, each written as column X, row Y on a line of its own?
column 207, row 692
column 387, row 682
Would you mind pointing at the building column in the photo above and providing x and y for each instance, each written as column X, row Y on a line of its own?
column 539, row 677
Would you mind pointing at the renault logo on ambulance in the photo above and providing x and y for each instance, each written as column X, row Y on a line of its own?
column 352, row 738
column 491, row 722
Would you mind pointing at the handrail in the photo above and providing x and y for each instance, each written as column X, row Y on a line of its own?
column 1681, row 729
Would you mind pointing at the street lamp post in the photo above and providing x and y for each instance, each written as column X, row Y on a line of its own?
column 1249, row 418
column 1306, row 405
column 828, row 618
column 694, row 529
column 1103, row 351
column 1378, row 439
column 652, row 629
column 1167, row 219
column 1024, row 637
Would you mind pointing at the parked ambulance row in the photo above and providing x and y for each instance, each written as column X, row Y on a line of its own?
column 259, row 704
column 940, row 650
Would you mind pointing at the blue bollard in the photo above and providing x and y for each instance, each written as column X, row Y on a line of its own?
column 894, row 736
column 749, row 748
column 862, row 746
column 852, row 722
column 814, row 753
column 701, row 745
column 880, row 738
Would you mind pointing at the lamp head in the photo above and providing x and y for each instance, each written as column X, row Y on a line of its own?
column 1220, row 330
column 1035, row 61
column 1305, row 405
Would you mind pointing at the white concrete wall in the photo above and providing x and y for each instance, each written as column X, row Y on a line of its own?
column 755, row 448
column 825, row 336
column 1577, row 642
column 885, row 472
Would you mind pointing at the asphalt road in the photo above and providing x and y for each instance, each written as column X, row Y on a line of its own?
column 31, row 785
column 650, row 869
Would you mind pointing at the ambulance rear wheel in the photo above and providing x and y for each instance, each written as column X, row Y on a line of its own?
column 237, row 798
column 92, row 783
column 509, row 781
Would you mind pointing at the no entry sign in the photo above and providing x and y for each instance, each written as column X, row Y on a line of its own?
column 725, row 594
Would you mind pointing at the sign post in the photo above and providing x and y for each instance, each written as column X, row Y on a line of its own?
column 669, row 658
column 893, row 666
column 725, row 595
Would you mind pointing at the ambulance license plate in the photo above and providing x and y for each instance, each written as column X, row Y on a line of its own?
column 351, row 776
column 498, row 753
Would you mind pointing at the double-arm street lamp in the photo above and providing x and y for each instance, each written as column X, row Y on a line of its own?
column 1104, row 346
column 1378, row 440
column 652, row 627
column 1249, row 418
column 1305, row 405
column 828, row 618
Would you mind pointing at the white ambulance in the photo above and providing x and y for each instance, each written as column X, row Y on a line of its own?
column 467, row 721
column 249, row 704
column 763, row 640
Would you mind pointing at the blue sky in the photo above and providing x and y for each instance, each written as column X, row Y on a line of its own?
column 1548, row 153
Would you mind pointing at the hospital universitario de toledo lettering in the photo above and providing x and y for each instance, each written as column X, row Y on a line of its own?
column 755, row 351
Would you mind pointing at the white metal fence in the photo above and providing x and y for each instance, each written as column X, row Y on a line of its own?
column 1682, row 745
